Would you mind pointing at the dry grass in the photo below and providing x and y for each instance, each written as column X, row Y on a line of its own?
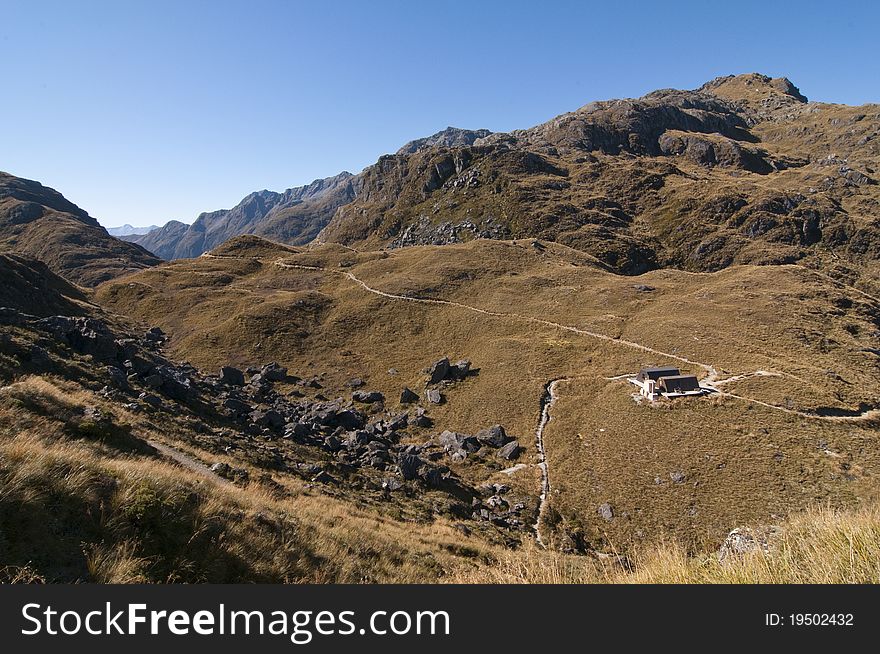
column 818, row 546
column 79, row 509
column 75, row 507
column 745, row 318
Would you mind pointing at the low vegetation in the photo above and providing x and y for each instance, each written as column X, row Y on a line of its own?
column 819, row 546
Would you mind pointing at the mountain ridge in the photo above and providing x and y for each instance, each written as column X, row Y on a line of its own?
column 39, row 222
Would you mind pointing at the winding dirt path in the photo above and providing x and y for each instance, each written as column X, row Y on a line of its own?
column 550, row 393
column 711, row 378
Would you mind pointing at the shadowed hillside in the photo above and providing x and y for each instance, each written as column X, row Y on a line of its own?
column 40, row 223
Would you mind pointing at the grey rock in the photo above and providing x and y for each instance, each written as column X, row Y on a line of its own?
column 391, row 484
column 270, row 418
column 460, row 370
column 434, row 396
column 155, row 334
column 606, row 512
column 510, row 451
column 272, row 372
column 151, row 400
column 221, row 469
column 237, row 407
column 421, row 419
column 408, row 397
column 231, row 376
column 118, row 378
column 323, row 477
column 438, row 371
column 493, row 436
column 367, row 397
column 742, row 541
column 409, row 465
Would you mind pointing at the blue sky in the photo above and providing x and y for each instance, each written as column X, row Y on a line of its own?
column 141, row 112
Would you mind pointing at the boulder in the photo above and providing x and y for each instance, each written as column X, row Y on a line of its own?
column 155, row 334
column 349, row 419
column 367, row 397
column 434, row 396
column 391, row 484
column 118, row 377
column 408, row 397
column 175, row 383
column 409, row 465
column 493, row 436
column 231, row 376
column 455, row 443
column 742, row 541
column 438, row 371
column 151, row 400
column 237, row 407
column 460, row 370
column 323, row 477
column 421, row 419
column 398, row 422
column 606, row 512
column 431, row 476
column 510, row 451
column 272, row 372
column 221, row 469
column 85, row 335
column 270, row 418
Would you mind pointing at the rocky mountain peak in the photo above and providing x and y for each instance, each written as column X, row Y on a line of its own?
column 752, row 87
column 449, row 137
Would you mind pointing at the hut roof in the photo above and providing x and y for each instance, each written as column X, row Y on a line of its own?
column 657, row 373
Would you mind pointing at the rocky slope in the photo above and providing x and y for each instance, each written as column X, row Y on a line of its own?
column 294, row 216
column 40, row 223
column 97, row 420
column 741, row 170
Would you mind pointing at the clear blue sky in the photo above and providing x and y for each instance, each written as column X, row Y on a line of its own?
column 145, row 111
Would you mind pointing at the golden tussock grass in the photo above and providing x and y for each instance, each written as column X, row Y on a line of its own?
column 77, row 509
column 818, row 546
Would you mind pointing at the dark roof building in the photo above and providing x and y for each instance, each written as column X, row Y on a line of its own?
column 678, row 384
column 657, row 373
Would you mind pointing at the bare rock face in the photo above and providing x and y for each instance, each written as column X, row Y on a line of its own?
column 713, row 151
column 449, row 137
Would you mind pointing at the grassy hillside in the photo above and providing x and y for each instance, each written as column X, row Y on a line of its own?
column 525, row 313
column 87, row 500
column 39, row 223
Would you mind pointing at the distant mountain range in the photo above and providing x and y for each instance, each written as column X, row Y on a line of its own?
column 129, row 230
column 294, row 217
column 740, row 170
